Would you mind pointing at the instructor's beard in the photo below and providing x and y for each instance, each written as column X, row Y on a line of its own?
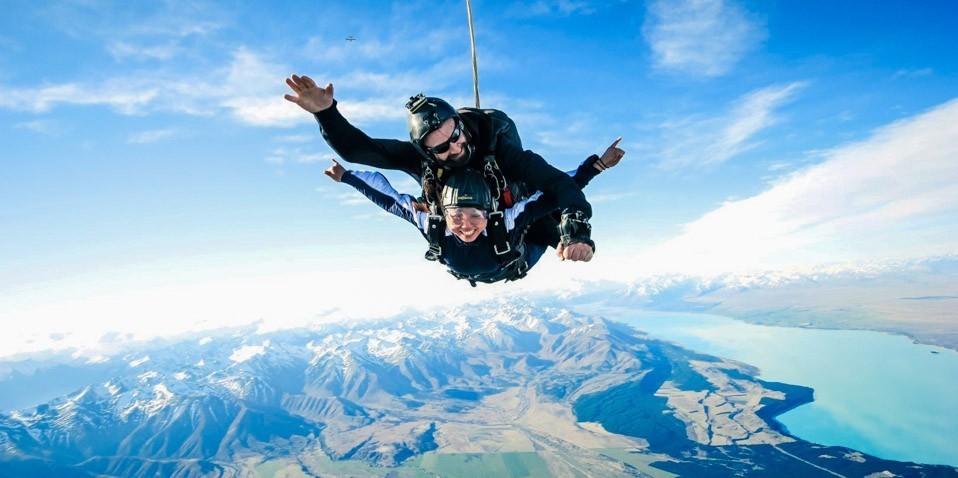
column 460, row 159
column 464, row 155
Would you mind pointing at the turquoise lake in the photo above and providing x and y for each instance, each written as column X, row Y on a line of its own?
column 877, row 393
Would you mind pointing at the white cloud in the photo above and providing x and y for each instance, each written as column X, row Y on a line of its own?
column 711, row 141
column 46, row 127
column 919, row 73
column 352, row 198
column 265, row 111
column 248, row 86
column 570, row 137
column 174, row 19
column 373, row 110
column 127, row 100
column 406, row 35
column 611, row 197
column 251, row 91
column 122, row 50
column 295, row 138
column 328, row 50
column 152, row 136
column 198, row 301
column 549, row 8
column 296, row 155
column 892, row 195
column 704, row 37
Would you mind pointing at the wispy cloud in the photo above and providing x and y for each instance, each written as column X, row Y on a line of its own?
column 297, row 155
column 205, row 80
column 122, row 50
column 919, row 73
column 693, row 142
column 295, row 138
column 611, row 197
column 172, row 19
column 248, row 87
column 892, row 195
column 152, row 136
column 541, row 8
column 406, row 39
column 353, row 198
column 45, row 127
column 127, row 100
column 570, row 136
column 702, row 37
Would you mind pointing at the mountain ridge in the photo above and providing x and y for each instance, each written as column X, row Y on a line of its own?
column 499, row 376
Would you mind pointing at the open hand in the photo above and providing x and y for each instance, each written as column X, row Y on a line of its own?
column 309, row 96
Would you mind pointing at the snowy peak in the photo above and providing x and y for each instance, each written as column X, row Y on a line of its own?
column 384, row 392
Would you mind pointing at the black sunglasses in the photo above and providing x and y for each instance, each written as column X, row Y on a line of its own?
column 444, row 146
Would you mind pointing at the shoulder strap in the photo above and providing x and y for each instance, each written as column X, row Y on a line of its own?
column 435, row 226
column 435, row 233
column 497, row 183
column 501, row 129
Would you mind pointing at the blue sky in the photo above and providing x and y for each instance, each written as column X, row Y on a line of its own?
column 153, row 179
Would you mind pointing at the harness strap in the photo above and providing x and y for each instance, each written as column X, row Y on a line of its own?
column 435, row 234
column 512, row 261
column 513, row 270
column 507, row 199
column 497, row 231
column 503, row 198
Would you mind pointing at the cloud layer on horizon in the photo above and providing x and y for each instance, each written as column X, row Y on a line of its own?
column 892, row 195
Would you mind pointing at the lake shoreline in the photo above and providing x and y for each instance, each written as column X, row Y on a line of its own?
column 878, row 363
column 945, row 339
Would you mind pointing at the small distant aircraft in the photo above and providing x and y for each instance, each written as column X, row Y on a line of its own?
column 350, row 38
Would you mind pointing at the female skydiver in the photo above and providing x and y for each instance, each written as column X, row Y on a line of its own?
column 469, row 245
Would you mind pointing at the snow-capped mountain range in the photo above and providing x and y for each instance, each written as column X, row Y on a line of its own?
column 482, row 378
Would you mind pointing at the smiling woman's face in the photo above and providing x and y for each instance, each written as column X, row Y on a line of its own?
column 466, row 223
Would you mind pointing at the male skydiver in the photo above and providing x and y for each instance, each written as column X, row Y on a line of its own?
column 445, row 139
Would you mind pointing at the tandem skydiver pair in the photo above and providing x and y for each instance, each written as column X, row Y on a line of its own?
column 488, row 208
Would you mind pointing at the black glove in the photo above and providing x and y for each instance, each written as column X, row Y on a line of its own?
column 574, row 227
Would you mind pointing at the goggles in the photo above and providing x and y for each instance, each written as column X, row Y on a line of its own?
column 444, row 146
column 466, row 214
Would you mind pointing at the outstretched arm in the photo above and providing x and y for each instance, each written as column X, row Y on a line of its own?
column 377, row 189
column 575, row 231
column 593, row 165
column 532, row 169
column 346, row 140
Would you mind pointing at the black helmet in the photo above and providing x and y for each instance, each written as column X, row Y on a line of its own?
column 467, row 188
column 426, row 114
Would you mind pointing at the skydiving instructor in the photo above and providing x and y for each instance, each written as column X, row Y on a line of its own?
column 449, row 139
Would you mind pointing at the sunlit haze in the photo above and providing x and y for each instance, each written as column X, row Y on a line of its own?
column 153, row 180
